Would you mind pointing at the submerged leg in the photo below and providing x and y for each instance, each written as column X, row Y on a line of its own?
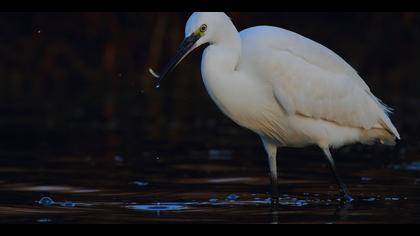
column 271, row 150
column 343, row 188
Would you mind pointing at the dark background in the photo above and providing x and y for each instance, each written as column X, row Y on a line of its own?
column 77, row 83
column 82, row 122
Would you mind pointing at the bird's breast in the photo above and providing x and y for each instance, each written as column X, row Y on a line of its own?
column 243, row 95
column 249, row 103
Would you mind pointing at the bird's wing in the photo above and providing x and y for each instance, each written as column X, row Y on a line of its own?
column 306, row 89
column 310, row 80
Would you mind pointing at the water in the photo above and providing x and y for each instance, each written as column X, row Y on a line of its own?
column 186, row 188
column 195, row 170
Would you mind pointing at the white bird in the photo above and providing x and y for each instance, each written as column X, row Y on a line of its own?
column 288, row 89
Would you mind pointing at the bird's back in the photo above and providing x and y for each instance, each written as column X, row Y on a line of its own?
column 309, row 79
column 265, row 38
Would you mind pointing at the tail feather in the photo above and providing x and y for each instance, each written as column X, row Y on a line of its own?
column 385, row 121
column 378, row 134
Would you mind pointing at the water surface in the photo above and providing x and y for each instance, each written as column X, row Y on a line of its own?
column 207, row 186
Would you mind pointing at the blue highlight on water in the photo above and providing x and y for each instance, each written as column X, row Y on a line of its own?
column 392, row 199
column 413, row 166
column 157, row 207
column 68, row 204
column 232, row 197
column 230, row 200
column 212, row 200
column 46, row 201
column 141, row 183
column 44, row 220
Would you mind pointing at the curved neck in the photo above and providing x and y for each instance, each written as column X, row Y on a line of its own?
column 218, row 69
column 222, row 55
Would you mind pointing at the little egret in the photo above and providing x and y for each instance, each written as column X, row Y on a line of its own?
column 288, row 89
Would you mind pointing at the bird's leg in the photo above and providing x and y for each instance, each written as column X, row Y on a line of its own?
column 343, row 188
column 274, row 179
column 271, row 150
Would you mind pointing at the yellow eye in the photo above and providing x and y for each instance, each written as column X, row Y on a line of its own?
column 203, row 28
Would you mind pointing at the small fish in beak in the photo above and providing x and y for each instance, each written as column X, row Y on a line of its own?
column 184, row 49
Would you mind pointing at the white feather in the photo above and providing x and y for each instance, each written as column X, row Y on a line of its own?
column 309, row 79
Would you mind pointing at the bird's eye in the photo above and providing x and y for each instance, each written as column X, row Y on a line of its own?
column 203, row 28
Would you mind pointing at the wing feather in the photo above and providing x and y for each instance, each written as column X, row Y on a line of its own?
column 311, row 80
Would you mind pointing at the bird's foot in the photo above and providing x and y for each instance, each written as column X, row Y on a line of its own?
column 275, row 196
column 345, row 194
column 275, row 203
column 346, row 197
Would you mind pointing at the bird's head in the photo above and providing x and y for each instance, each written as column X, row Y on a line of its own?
column 201, row 28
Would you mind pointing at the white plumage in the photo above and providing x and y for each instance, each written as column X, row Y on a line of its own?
column 309, row 80
column 287, row 88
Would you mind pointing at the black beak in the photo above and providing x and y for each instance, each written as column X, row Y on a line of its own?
column 183, row 50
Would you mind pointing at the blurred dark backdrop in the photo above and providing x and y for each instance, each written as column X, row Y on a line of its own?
column 77, row 83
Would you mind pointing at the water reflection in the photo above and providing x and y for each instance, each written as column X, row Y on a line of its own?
column 189, row 187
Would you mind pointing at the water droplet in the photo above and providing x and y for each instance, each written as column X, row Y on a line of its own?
column 68, row 204
column 232, row 197
column 46, row 201
column 39, row 31
column 158, row 86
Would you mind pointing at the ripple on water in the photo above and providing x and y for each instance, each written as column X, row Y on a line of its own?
column 392, row 198
column 212, row 200
column 220, row 154
column 44, row 220
column 413, row 166
column 365, row 179
column 46, row 201
column 292, row 201
column 371, row 199
column 159, row 207
column 141, row 183
column 68, row 204
column 232, row 197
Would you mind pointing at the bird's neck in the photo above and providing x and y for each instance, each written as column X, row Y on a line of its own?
column 222, row 55
column 218, row 69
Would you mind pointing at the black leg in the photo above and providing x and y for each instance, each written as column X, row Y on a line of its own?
column 343, row 188
column 274, row 190
column 271, row 150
